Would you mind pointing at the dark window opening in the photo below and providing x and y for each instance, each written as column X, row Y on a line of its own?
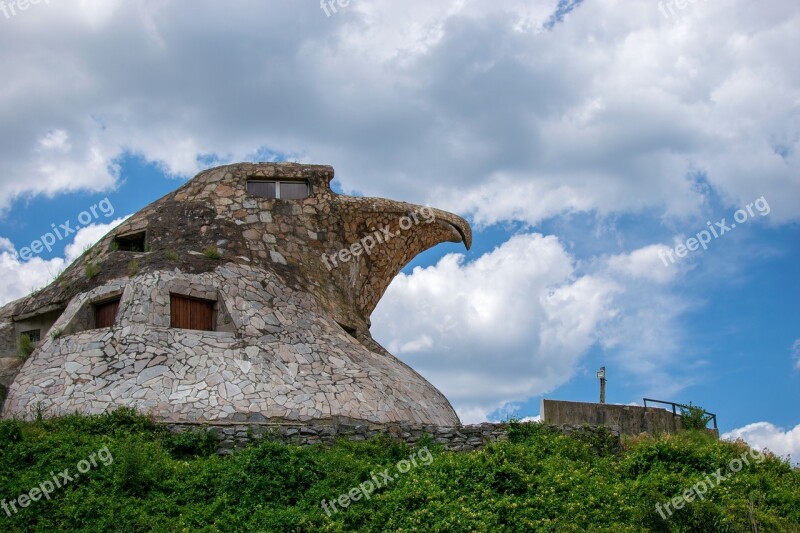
column 283, row 190
column 34, row 335
column 134, row 242
column 353, row 332
column 191, row 313
column 105, row 314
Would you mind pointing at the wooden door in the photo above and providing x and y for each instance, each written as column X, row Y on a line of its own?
column 105, row 314
column 191, row 313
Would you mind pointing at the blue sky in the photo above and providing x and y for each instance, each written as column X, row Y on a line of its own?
column 583, row 141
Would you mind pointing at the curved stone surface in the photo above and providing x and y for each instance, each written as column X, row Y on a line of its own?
column 291, row 337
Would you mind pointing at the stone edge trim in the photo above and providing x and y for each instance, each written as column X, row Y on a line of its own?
column 457, row 439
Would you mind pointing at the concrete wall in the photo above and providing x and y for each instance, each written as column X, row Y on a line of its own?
column 627, row 419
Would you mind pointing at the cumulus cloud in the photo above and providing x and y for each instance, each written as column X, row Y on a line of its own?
column 21, row 278
column 520, row 304
column 516, row 323
column 796, row 353
column 645, row 263
column 524, row 111
column 521, row 110
column 765, row 435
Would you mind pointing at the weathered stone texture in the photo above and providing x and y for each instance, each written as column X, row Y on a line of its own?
column 291, row 339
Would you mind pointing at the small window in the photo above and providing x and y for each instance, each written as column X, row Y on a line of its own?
column 353, row 332
column 283, row 190
column 35, row 335
column 135, row 242
column 293, row 190
column 105, row 314
column 191, row 313
column 264, row 189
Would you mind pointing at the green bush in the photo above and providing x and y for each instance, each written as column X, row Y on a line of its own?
column 133, row 267
column 190, row 444
column 136, row 471
column 694, row 417
column 10, row 433
column 212, row 252
column 25, row 347
column 91, row 270
column 537, row 480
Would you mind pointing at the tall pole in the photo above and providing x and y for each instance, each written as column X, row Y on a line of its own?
column 602, row 376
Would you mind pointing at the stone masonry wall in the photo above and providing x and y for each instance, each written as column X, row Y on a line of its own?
column 459, row 439
column 285, row 361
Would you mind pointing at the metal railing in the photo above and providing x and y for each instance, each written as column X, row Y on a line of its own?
column 675, row 405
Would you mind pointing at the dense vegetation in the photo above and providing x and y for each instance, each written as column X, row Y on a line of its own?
column 537, row 481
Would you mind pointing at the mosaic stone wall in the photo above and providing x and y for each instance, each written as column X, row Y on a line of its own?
column 285, row 361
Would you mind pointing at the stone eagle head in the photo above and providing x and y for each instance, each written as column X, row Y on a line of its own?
column 244, row 295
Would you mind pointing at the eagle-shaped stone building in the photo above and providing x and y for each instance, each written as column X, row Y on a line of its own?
column 243, row 296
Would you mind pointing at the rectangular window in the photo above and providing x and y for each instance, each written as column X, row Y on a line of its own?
column 283, row 190
column 264, row 189
column 191, row 313
column 34, row 335
column 293, row 190
column 105, row 314
column 135, row 242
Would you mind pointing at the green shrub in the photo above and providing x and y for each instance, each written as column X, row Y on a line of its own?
column 25, row 347
column 135, row 468
column 212, row 252
column 170, row 255
column 694, row 417
column 185, row 444
column 91, row 270
column 133, row 267
column 537, row 480
column 10, row 433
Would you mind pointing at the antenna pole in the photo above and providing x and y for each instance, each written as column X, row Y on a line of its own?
column 601, row 375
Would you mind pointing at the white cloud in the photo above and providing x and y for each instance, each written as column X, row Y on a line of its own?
column 606, row 112
column 762, row 435
column 528, row 305
column 796, row 353
column 506, row 120
column 21, row 278
column 519, row 304
column 645, row 263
